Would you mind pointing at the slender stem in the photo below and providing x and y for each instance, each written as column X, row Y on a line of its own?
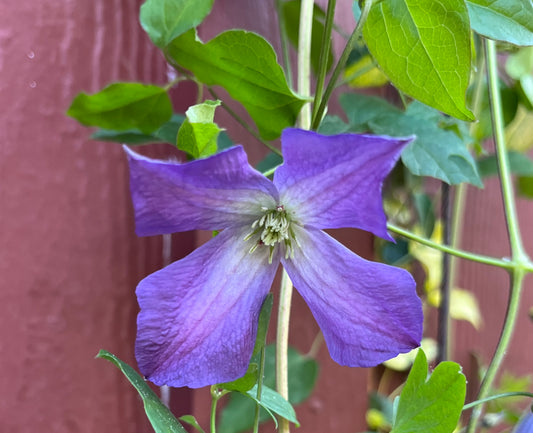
column 340, row 64
column 213, row 418
column 259, row 388
column 444, row 306
column 271, row 170
column 506, row 264
column 501, row 349
column 520, row 262
column 243, row 123
column 324, row 54
column 515, row 238
column 497, row 396
column 284, row 42
column 304, row 56
column 282, row 344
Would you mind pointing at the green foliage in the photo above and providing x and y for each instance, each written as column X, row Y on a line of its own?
column 166, row 133
column 435, row 152
column 430, row 405
column 165, row 20
column 245, row 65
column 238, row 414
column 123, row 106
column 198, row 133
column 519, row 66
column 424, row 49
column 503, row 20
column 291, row 14
column 273, row 402
column 519, row 163
column 248, row 381
column 509, row 99
column 191, row 420
column 159, row 415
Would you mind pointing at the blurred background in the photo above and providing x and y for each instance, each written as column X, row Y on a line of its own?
column 69, row 257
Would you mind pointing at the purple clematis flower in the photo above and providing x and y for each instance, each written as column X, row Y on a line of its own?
column 198, row 318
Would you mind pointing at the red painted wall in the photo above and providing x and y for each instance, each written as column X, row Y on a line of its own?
column 69, row 259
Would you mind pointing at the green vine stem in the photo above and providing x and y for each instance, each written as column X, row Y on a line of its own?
column 496, row 397
column 317, row 118
column 479, row 258
column 324, row 53
column 259, row 388
column 520, row 263
column 284, row 42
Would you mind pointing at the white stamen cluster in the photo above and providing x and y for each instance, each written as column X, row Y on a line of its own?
column 273, row 227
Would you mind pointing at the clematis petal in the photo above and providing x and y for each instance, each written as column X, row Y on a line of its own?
column 369, row 312
column 198, row 319
column 206, row 194
column 335, row 181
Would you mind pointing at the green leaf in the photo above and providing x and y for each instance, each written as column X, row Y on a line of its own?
column 165, row 20
column 424, row 49
column 262, row 326
column 244, row 383
column 159, row 415
column 431, row 405
column 361, row 109
column 274, row 402
column 198, row 133
column 191, row 420
column 167, row 133
column 525, row 186
column 519, row 163
column 435, row 152
column 332, row 125
column 503, row 20
column 238, row 415
column 425, row 212
column 245, row 65
column 123, row 106
column 269, row 162
column 291, row 15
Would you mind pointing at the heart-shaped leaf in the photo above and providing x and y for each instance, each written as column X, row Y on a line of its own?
column 423, row 46
column 245, row 65
column 431, row 404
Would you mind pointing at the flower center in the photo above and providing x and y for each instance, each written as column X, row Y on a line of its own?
column 273, row 227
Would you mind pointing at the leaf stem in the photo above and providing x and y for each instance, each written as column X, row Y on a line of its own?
column 520, row 262
column 259, row 388
column 505, row 338
column 515, row 238
column 497, row 396
column 324, row 54
column 340, row 64
column 304, row 56
column 501, row 263
column 284, row 42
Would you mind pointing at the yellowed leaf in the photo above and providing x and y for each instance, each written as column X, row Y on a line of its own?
column 365, row 74
column 519, row 133
column 464, row 306
column 431, row 260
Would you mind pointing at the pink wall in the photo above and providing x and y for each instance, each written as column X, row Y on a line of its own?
column 69, row 258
